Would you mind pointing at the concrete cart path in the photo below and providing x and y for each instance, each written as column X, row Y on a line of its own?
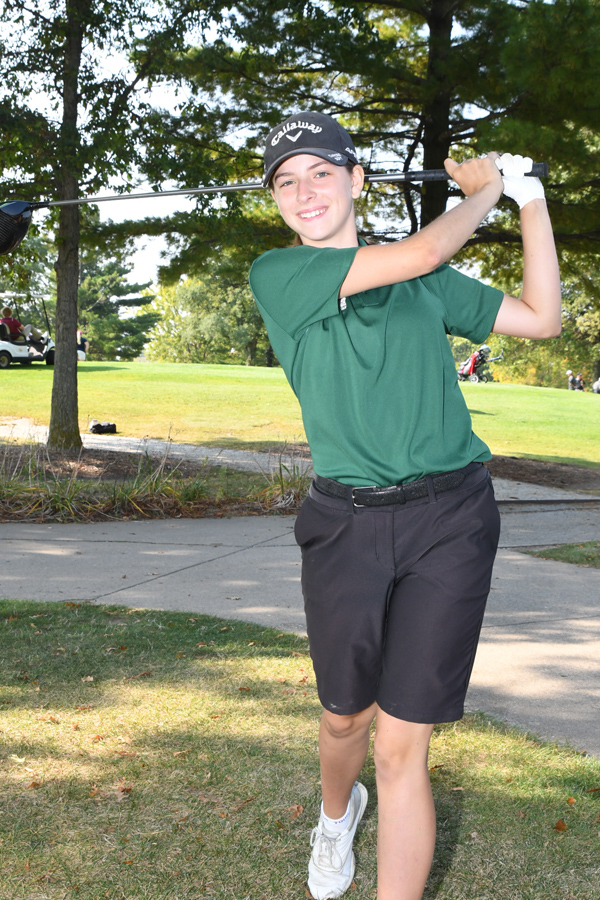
column 537, row 665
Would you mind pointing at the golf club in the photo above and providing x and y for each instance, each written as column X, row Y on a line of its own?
column 16, row 215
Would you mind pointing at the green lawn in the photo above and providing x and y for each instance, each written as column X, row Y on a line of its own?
column 166, row 756
column 587, row 554
column 235, row 406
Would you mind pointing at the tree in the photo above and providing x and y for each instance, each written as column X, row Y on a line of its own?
column 72, row 116
column 210, row 318
column 411, row 80
column 104, row 295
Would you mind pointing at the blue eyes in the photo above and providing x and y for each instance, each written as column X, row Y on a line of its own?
column 323, row 173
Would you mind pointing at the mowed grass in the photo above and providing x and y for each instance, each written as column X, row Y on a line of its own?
column 168, row 756
column 235, row 406
column 586, row 554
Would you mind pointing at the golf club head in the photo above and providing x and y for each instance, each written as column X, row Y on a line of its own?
column 15, row 219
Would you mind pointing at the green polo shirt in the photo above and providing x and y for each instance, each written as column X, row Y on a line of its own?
column 373, row 372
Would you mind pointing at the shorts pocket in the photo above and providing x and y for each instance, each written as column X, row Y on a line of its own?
column 316, row 520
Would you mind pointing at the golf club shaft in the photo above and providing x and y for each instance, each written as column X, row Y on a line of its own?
column 539, row 170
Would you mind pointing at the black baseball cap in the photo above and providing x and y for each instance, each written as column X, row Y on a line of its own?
column 312, row 133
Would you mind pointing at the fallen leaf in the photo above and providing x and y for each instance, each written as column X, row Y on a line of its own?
column 124, row 740
column 225, row 628
column 560, row 826
column 140, row 675
column 84, row 707
column 251, row 643
column 439, row 766
column 303, row 680
column 122, row 792
column 180, row 752
column 182, row 654
column 458, row 789
column 93, row 792
column 128, row 862
column 243, row 803
column 88, row 678
column 592, row 790
column 243, row 689
column 571, row 801
column 75, row 726
column 98, row 737
column 202, row 644
column 34, row 784
column 295, row 810
column 19, row 759
column 279, row 824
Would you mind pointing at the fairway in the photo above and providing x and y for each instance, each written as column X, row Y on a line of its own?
column 235, row 406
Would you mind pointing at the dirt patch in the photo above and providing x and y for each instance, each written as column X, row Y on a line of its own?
column 109, row 465
column 92, row 465
column 547, row 474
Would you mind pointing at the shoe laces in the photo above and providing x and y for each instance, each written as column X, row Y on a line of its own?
column 327, row 853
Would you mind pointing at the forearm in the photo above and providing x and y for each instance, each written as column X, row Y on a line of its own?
column 445, row 236
column 541, row 277
column 382, row 264
column 537, row 314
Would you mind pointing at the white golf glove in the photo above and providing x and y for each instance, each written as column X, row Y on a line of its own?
column 516, row 185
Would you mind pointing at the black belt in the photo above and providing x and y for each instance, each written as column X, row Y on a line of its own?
column 397, row 493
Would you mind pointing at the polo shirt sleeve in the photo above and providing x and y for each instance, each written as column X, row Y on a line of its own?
column 299, row 286
column 470, row 307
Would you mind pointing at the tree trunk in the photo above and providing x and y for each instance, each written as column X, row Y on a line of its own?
column 436, row 108
column 64, row 414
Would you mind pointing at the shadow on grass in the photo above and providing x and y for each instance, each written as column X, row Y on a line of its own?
column 231, row 443
column 87, row 368
column 564, row 460
column 188, row 768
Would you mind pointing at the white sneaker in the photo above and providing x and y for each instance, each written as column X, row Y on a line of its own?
column 331, row 865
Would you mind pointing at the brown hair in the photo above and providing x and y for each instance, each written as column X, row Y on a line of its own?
column 7, row 312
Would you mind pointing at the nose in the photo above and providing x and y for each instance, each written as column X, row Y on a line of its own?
column 306, row 189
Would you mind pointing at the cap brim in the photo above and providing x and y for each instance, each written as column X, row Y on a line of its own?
column 308, row 151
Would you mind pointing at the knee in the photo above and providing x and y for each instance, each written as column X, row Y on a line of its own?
column 395, row 755
column 347, row 726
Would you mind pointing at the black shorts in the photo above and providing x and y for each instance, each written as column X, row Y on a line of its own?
column 395, row 596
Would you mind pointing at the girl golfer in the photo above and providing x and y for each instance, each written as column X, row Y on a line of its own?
column 400, row 528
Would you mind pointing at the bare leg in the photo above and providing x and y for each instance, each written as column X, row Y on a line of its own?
column 406, row 829
column 343, row 746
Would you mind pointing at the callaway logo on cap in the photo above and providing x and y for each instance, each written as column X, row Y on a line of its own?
column 312, row 133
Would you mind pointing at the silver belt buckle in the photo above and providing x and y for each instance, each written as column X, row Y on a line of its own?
column 364, row 487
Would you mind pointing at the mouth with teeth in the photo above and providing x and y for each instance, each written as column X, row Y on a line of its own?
column 312, row 214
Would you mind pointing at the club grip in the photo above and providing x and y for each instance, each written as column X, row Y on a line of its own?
column 539, row 170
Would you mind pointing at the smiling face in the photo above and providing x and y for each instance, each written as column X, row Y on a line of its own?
column 316, row 199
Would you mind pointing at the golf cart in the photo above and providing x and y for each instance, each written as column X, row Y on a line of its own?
column 18, row 348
